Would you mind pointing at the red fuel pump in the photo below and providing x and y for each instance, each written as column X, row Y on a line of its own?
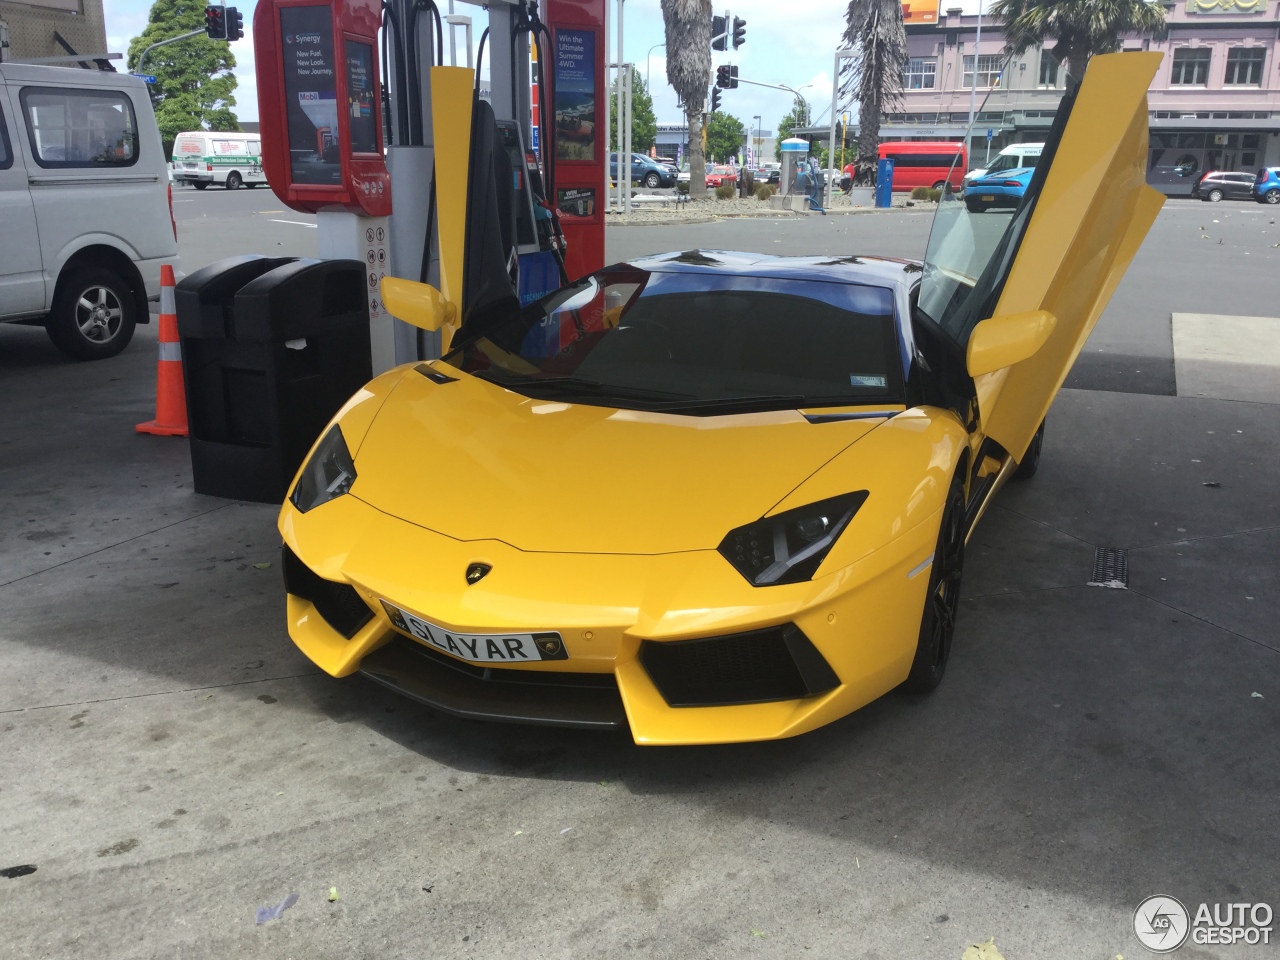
column 319, row 100
column 579, row 114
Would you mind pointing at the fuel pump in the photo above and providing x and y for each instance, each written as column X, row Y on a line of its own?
column 332, row 92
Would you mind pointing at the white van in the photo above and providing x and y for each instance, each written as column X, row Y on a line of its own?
column 202, row 157
column 1010, row 158
column 86, row 214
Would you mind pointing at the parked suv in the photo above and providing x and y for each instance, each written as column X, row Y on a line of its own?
column 1223, row 185
column 85, row 205
column 1266, row 186
column 645, row 170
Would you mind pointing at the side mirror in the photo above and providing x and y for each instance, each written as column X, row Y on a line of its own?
column 1003, row 341
column 416, row 303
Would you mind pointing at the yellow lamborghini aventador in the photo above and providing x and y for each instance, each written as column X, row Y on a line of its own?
column 709, row 496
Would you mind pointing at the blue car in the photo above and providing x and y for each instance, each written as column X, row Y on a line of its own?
column 1267, row 186
column 1004, row 189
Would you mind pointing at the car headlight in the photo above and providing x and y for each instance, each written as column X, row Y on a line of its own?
column 789, row 547
column 328, row 474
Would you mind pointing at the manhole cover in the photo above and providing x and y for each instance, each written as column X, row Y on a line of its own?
column 1110, row 568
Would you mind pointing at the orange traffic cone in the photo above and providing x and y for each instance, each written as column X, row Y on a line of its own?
column 171, row 400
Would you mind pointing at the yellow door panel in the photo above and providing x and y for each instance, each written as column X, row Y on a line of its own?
column 1089, row 220
column 452, row 90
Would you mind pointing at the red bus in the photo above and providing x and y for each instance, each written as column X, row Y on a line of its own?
column 926, row 163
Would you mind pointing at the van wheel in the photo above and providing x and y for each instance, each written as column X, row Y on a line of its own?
column 940, row 185
column 233, row 181
column 199, row 184
column 93, row 314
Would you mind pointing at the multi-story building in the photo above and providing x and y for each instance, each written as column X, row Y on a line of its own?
column 38, row 29
column 1215, row 102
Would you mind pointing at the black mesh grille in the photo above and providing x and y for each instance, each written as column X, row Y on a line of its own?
column 778, row 663
column 338, row 603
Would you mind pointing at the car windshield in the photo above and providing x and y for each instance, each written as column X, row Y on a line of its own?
column 972, row 244
column 695, row 342
column 1011, row 161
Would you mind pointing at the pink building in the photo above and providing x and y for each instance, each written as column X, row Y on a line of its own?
column 1215, row 103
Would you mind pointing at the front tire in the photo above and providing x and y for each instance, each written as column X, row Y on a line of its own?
column 93, row 315
column 1214, row 196
column 942, row 602
column 234, row 181
column 653, row 181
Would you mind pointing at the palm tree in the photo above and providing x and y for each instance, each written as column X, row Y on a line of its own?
column 873, row 75
column 688, row 26
column 1081, row 27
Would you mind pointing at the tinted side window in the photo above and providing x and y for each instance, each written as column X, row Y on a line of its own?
column 922, row 159
column 80, row 128
column 6, row 154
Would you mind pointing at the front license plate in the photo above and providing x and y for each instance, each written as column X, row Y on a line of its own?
column 987, row 199
column 480, row 648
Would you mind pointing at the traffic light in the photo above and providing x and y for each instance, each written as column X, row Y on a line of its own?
column 235, row 24
column 733, row 79
column 722, row 77
column 215, row 23
column 739, row 32
column 719, row 30
column 715, row 99
column 839, row 133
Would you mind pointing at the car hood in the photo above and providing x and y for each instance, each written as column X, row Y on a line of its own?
column 474, row 461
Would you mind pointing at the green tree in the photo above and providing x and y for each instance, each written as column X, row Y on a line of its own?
column 796, row 118
column 688, row 35
column 873, row 75
column 194, row 87
column 644, row 124
column 725, row 136
column 1080, row 27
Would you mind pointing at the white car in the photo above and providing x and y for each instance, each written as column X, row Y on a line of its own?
column 231, row 160
column 85, row 204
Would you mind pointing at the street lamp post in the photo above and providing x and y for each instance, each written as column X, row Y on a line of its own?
column 646, row 62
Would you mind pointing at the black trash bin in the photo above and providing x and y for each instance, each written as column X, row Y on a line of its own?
column 271, row 348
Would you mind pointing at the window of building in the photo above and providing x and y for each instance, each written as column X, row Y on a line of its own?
column 921, row 73
column 1244, row 66
column 989, row 66
column 80, row 128
column 1048, row 69
column 1191, row 66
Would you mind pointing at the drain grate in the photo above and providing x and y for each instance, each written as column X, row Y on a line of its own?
column 1110, row 568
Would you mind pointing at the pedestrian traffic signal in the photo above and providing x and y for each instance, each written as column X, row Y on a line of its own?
column 215, row 23
column 739, row 32
column 235, row 24
column 719, row 33
column 722, row 77
column 715, row 99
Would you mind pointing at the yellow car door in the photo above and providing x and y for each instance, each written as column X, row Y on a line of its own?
column 1061, row 252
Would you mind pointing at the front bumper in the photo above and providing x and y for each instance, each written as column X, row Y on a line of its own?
column 862, row 621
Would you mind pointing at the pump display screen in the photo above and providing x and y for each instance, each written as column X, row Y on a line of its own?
column 311, row 94
column 360, row 105
column 575, row 94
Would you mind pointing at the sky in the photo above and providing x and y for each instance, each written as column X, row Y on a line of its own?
column 787, row 43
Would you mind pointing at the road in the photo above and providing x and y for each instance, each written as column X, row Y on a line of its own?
column 169, row 762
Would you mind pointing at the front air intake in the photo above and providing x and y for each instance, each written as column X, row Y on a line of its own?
column 338, row 603
column 777, row 663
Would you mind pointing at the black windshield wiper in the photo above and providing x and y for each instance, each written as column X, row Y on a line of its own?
column 576, row 385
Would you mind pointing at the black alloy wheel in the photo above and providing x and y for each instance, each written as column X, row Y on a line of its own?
column 1214, row 195
column 1030, row 461
column 942, row 602
column 234, row 180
